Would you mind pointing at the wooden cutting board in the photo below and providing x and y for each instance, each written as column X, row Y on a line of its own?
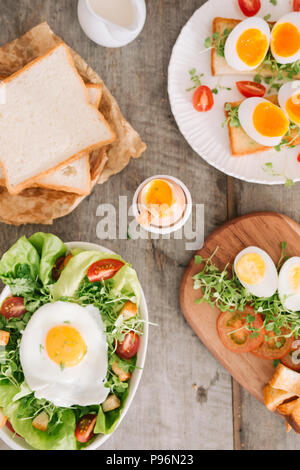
column 266, row 230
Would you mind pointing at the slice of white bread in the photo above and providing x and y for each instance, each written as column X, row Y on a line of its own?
column 219, row 65
column 241, row 144
column 74, row 177
column 47, row 121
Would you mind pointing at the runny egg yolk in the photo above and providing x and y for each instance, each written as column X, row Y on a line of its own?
column 292, row 107
column 252, row 46
column 269, row 120
column 251, row 269
column 294, row 278
column 159, row 193
column 285, row 40
column 65, row 346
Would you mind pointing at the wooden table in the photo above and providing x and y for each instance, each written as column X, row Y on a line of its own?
column 186, row 400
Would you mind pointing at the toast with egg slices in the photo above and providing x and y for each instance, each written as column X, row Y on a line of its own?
column 219, row 65
column 242, row 144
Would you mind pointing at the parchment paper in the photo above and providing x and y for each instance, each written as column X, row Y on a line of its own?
column 42, row 206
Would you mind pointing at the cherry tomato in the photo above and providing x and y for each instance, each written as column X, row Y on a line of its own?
column 296, row 5
column 294, row 353
column 13, row 307
column 129, row 346
column 233, row 332
column 203, row 99
column 298, row 158
column 250, row 7
column 9, row 426
column 60, row 264
column 104, row 269
column 250, row 89
column 270, row 350
column 84, row 431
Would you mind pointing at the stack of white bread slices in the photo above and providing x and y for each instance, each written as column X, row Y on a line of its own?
column 49, row 125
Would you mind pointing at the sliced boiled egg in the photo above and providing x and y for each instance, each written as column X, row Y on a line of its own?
column 256, row 271
column 289, row 284
column 285, row 39
column 289, row 100
column 263, row 121
column 161, row 202
column 247, row 44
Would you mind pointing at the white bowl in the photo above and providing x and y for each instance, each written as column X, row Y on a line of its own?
column 180, row 223
column 18, row 443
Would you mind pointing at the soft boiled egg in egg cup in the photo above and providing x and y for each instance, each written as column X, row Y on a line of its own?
column 263, row 121
column 289, row 284
column 162, row 204
column 247, row 44
column 285, row 39
column 256, row 271
column 289, row 100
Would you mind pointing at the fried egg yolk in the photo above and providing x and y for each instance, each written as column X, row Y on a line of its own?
column 285, row 40
column 294, row 278
column 251, row 268
column 293, row 108
column 65, row 346
column 269, row 120
column 252, row 46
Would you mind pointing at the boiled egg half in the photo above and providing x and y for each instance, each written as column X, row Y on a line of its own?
column 256, row 271
column 63, row 354
column 285, row 39
column 289, row 100
column 247, row 44
column 263, row 121
column 289, row 284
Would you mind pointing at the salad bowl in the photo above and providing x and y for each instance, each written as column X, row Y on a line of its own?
column 18, row 443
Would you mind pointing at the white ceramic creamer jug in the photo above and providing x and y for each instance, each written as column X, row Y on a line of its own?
column 112, row 23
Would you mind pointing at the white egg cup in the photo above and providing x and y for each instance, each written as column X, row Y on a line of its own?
column 178, row 225
column 108, row 34
column 18, row 443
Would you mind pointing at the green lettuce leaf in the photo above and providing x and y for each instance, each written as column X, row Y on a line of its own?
column 75, row 271
column 50, row 248
column 126, row 283
column 7, row 393
column 21, row 253
column 60, row 437
column 107, row 422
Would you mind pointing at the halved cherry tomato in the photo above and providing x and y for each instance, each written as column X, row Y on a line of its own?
column 298, row 158
column 84, row 431
column 270, row 350
column 60, row 264
column 250, row 89
column 203, row 99
column 13, row 307
column 296, row 5
column 294, row 352
column 129, row 346
column 250, row 7
column 104, row 269
column 9, row 426
column 233, row 332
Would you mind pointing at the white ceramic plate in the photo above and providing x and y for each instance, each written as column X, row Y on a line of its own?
column 204, row 131
column 18, row 443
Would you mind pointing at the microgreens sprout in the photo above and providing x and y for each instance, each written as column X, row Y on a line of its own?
column 222, row 289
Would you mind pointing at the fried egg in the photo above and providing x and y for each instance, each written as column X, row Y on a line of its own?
column 285, row 39
column 289, row 284
column 256, row 271
column 289, row 100
column 263, row 121
column 247, row 44
column 63, row 354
